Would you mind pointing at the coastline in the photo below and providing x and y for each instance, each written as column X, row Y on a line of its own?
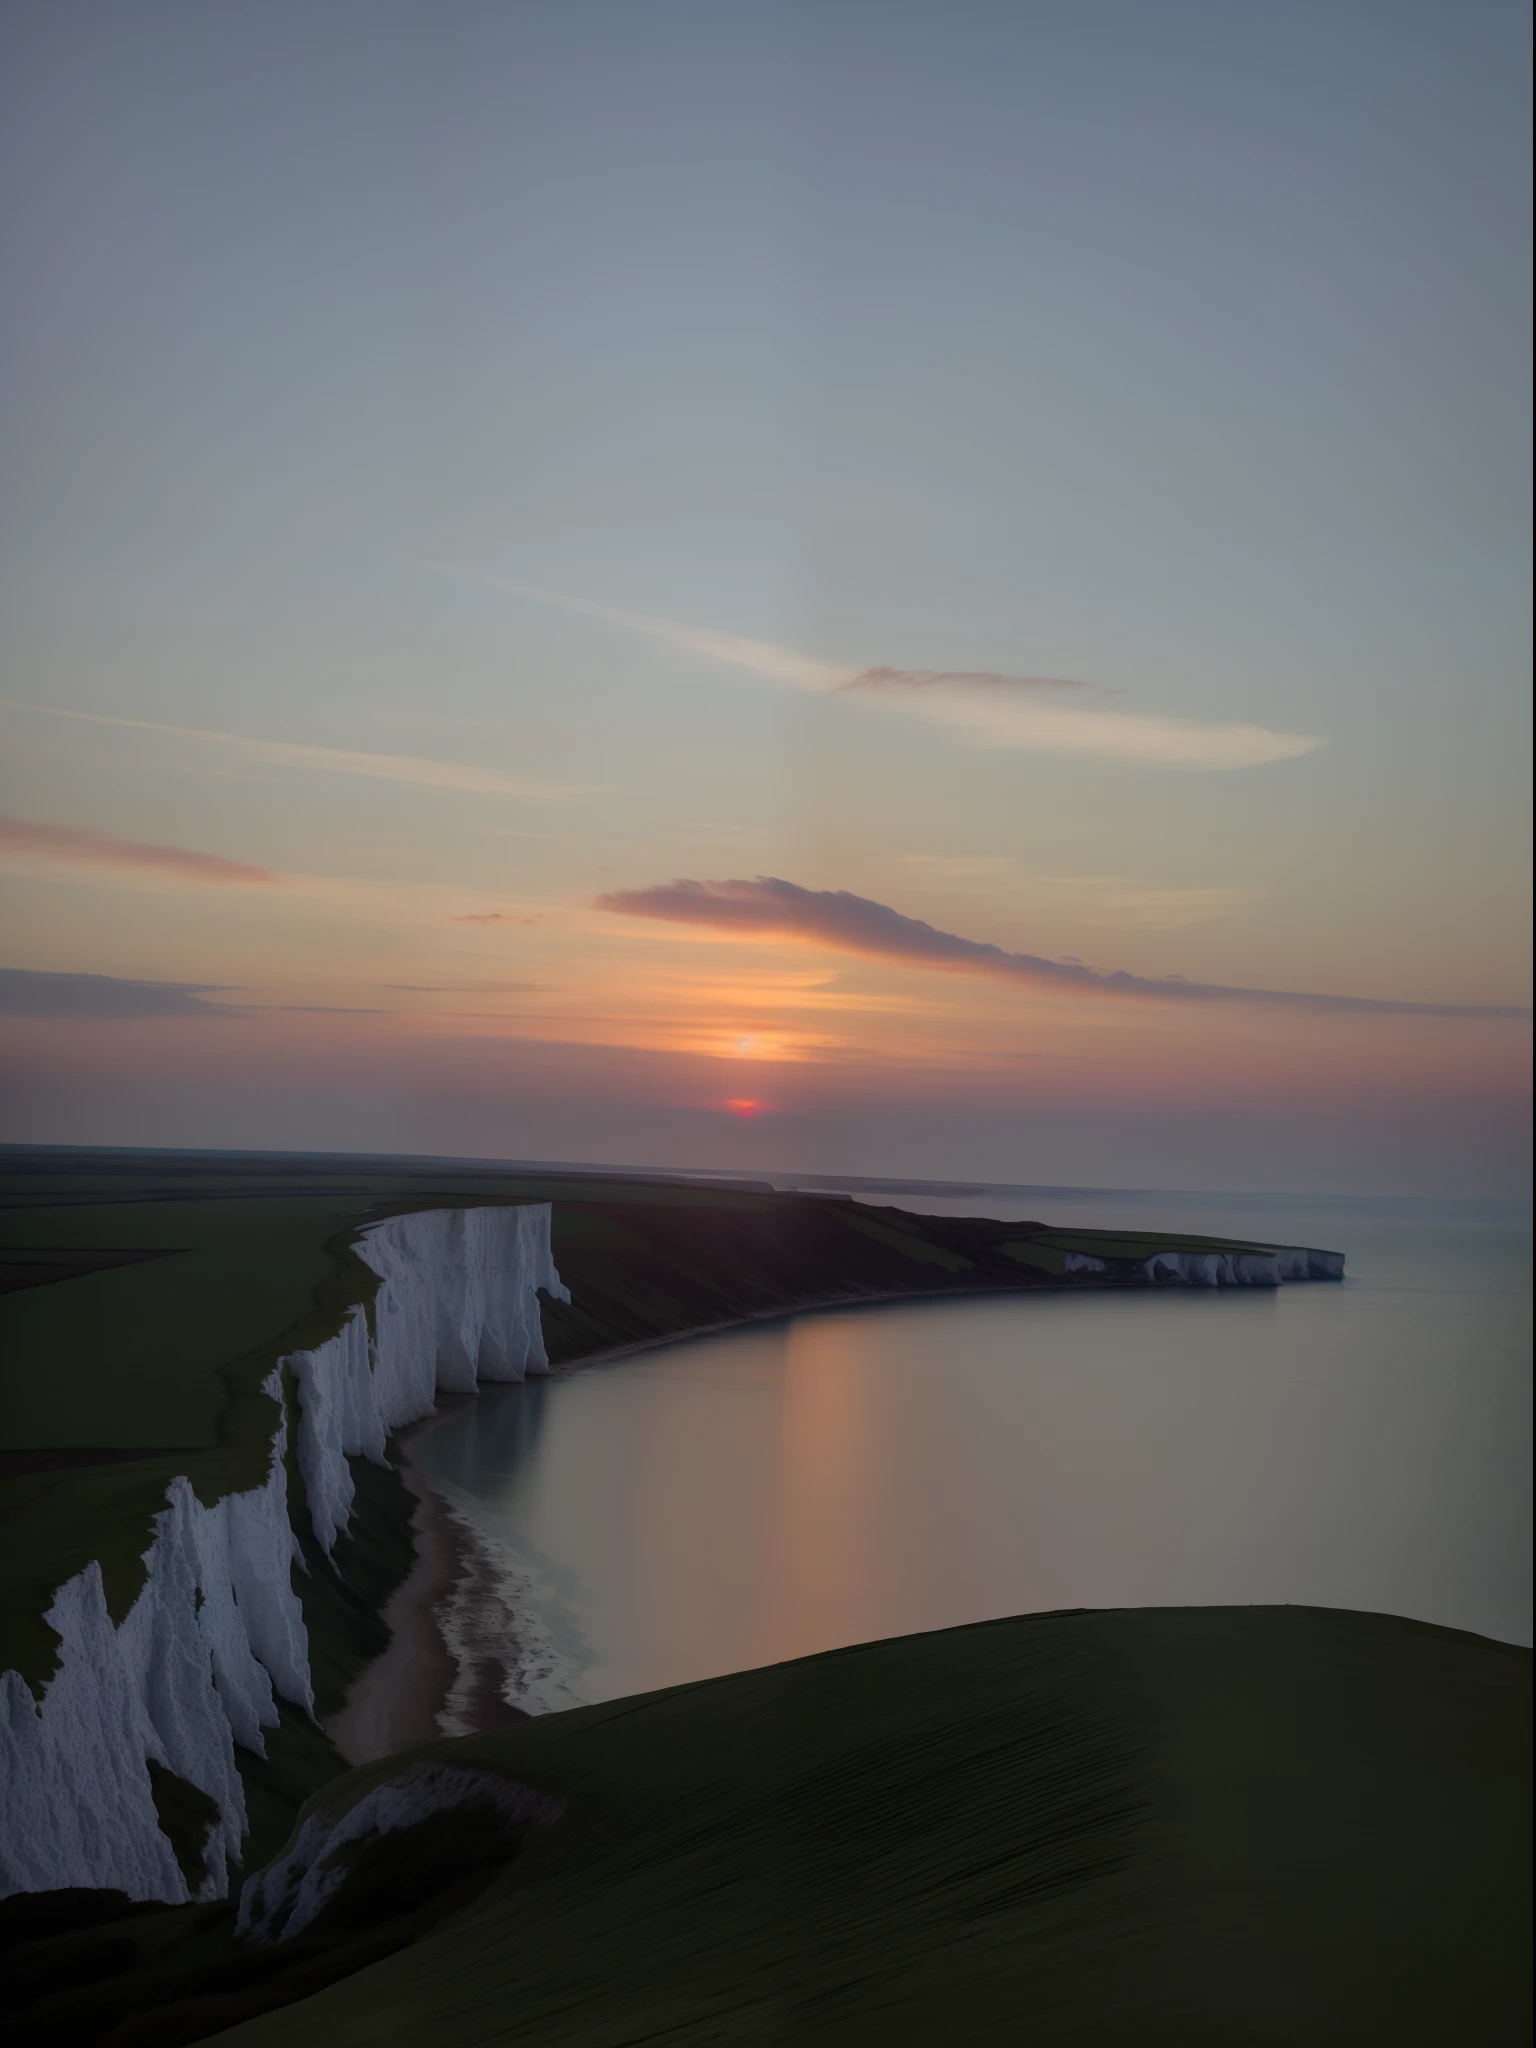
column 437, row 1679
column 421, row 1681
column 819, row 1306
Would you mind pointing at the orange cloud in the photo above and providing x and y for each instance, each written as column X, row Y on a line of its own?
column 767, row 906
column 101, row 849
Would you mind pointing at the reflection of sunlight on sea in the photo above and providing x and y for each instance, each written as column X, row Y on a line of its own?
column 821, row 1533
column 832, row 1478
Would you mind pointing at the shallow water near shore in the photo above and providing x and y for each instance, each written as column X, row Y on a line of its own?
column 840, row 1476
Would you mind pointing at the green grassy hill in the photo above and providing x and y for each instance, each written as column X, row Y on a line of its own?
column 1205, row 1828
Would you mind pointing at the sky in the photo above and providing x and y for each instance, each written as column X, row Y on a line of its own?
column 920, row 589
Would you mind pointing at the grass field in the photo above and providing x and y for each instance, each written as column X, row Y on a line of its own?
column 1204, row 1828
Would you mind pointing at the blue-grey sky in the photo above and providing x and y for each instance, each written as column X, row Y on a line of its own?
column 428, row 383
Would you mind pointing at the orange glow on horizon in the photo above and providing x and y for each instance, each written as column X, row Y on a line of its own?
column 743, row 1105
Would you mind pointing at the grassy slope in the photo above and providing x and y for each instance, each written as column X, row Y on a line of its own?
column 121, row 1359
column 1201, row 1827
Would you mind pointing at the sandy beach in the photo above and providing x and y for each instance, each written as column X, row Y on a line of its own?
column 420, row 1688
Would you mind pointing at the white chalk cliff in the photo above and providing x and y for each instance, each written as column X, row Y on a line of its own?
column 216, row 1629
column 457, row 1304
column 1267, row 1266
column 1261, row 1266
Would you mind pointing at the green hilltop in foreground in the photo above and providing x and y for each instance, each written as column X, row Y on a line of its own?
column 1205, row 1828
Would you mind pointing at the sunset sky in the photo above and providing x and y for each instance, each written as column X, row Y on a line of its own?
column 905, row 589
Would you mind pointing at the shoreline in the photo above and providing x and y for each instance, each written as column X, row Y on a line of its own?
column 417, row 1682
column 410, row 1688
column 1077, row 1284
column 779, row 1315
column 405, row 1694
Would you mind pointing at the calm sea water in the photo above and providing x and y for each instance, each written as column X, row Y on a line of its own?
column 838, row 1477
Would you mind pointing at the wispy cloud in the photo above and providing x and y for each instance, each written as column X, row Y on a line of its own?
column 29, row 992
column 1115, row 900
column 984, row 707
column 979, row 678
column 958, row 867
column 76, row 843
column 412, row 768
column 1015, row 712
column 774, row 664
column 1090, row 899
column 495, row 917
column 768, row 907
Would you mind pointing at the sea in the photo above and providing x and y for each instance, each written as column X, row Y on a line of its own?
column 836, row 1477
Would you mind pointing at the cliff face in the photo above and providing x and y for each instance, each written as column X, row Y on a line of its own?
column 1267, row 1267
column 457, row 1303
column 217, row 1630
